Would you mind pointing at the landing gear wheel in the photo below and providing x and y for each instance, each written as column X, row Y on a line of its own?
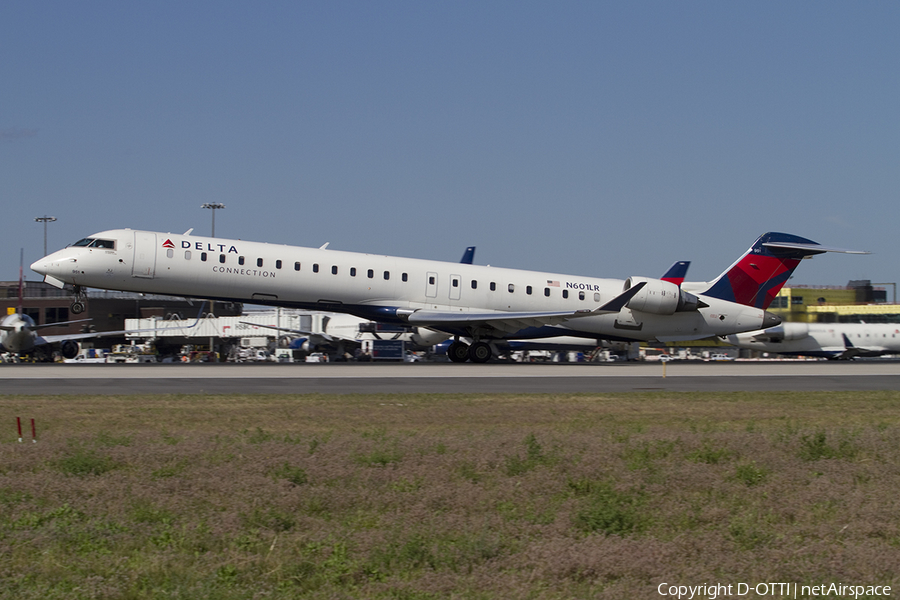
column 480, row 352
column 458, row 352
column 77, row 306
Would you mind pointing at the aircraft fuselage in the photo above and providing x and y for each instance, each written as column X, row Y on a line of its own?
column 382, row 288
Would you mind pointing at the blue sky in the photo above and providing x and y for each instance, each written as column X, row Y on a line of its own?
column 594, row 138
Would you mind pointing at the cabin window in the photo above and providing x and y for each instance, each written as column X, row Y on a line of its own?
column 474, row 285
column 511, row 287
column 259, row 262
column 187, row 255
column 581, row 295
column 370, row 273
column 528, row 289
column 352, row 271
column 547, row 292
column 565, row 293
column 455, row 282
column 387, row 275
column 315, row 267
column 334, row 269
column 222, row 258
column 431, row 280
column 296, row 266
column 404, row 277
column 493, row 286
column 203, row 256
column 170, row 253
column 596, row 297
column 278, row 264
column 240, row 260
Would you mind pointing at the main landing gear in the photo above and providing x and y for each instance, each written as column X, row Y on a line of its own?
column 479, row 352
column 77, row 307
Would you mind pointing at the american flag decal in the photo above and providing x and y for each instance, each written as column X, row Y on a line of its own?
column 552, row 283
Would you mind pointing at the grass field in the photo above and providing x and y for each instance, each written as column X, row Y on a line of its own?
column 415, row 497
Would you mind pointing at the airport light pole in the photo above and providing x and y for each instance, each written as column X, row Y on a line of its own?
column 45, row 219
column 213, row 206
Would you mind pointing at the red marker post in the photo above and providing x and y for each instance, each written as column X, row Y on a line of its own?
column 33, row 433
column 19, row 424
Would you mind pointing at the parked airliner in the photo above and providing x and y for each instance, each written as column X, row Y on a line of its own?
column 481, row 303
column 828, row 340
column 19, row 334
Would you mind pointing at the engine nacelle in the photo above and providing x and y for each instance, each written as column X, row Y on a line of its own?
column 660, row 297
column 426, row 338
column 788, row 332
column 69, row 349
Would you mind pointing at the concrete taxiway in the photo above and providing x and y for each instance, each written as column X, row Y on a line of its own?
column 354, row 378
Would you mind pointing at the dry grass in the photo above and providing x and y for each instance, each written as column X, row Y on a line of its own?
column 445, row 496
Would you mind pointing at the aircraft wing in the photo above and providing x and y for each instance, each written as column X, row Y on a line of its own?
column 59, row 324
column 325, row 336
column 511, row 322
column 52, row 339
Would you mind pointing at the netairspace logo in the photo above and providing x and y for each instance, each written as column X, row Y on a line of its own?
column 774, row 590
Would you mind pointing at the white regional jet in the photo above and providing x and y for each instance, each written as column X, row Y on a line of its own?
column 828, row 340
column 481, row 303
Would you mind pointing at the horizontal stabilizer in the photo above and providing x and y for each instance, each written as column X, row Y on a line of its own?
column 811, row 249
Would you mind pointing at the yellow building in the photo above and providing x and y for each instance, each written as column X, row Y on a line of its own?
column 858, row 301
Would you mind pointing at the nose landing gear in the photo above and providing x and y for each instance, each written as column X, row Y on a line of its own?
column 77, row 307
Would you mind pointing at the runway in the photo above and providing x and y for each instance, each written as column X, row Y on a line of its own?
column 355, row 378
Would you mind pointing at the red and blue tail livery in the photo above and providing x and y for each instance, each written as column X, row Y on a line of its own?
column 757, row 276
column 677, row 272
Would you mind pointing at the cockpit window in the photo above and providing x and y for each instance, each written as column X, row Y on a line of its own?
column 95, row 243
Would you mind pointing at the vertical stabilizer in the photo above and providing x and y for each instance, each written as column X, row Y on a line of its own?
column 757, row 276
column 677, row 272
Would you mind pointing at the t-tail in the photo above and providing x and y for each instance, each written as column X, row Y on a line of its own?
column 757, row 276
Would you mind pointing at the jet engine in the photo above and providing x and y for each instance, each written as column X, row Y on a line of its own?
column 787, row 332
column 425, row 338
column 69, row 349
column 661, row 297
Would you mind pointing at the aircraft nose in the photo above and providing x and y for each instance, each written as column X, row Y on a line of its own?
column 40, row 266
column 770, row 320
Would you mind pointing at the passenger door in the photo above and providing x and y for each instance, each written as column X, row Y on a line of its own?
column 144, row 263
